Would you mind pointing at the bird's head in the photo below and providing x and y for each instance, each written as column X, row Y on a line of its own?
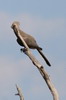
column 15, row 24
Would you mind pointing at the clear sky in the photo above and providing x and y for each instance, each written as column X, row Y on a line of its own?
column 46, row 21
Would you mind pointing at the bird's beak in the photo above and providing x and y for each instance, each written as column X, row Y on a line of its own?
column 12, row 26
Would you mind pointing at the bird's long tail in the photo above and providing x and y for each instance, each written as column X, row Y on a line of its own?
column 46, row 60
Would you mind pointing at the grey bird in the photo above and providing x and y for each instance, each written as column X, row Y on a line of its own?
column 30, row 41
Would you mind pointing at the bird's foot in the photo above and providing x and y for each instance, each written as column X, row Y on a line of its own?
column 23, row 49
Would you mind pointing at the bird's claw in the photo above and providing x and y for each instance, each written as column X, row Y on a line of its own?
column 23, row 49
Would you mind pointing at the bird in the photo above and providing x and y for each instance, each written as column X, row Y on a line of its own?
column 30, row 40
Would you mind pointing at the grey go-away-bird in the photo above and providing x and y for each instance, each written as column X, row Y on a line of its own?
column 30, row 41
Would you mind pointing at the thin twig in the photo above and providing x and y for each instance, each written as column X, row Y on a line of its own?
column 19, row 93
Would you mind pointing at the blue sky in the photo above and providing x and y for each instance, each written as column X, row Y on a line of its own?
column 46, row 21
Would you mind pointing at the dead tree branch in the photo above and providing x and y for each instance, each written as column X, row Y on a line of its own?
column 41, row 69
column 19, row 93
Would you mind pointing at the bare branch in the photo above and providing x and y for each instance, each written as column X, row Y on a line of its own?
column 19, row 93
column 40, row 68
